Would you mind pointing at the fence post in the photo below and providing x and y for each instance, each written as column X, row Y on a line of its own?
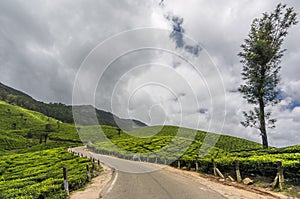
column 88, row 173
column 237, row 171
column 216, row 170
column 279, row 179
column 98, row 165
column 165, row 160
column 178, row 163
column 156, row 158
column 214, row 166
column 66, row 185
column 197, row 166
column 280, row 175
column 188, row 165
column 93, row 167
column 147, row 157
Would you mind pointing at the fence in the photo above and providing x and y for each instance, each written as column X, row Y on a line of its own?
column 274, row 171
column 90, row 172
column 235, row 171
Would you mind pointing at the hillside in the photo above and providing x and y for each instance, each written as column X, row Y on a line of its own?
column 63, row 112
column 153, row 139
column 26, row 130
column 22, row 128
column 33, row 152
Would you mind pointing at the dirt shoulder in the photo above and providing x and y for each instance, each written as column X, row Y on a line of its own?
column 232, row 190
column 94, row 189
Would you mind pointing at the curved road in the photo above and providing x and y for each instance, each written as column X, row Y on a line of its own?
column 161, row 183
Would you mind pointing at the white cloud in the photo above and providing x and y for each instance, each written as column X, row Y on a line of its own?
column 43, row 45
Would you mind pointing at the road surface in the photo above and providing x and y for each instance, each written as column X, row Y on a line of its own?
column 133, row 180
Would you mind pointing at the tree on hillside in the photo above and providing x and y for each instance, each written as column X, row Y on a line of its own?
column 48, row 127
column 14, row 126
column 45, row 137
column 261, row 56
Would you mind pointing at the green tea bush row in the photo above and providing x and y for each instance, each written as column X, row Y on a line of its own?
column 39, row 174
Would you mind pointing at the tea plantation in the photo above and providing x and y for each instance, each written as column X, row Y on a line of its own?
column 157, row 144
column 39, row 174
column 33, row 153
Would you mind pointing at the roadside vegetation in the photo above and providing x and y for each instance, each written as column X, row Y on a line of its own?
column 39, row 174
column 33, row 152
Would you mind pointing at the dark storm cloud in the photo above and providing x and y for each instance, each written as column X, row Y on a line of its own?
column 178, row 31
column 177, row 34
column 202, row 110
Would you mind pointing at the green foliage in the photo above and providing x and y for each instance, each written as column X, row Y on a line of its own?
column 39, row 174
column 27, row 133
column 152, row 139
column 30, row 169
column 261, row 54
column 9, row 142
column 162, row 140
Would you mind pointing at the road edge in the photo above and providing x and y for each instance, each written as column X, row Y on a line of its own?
column 107, row 188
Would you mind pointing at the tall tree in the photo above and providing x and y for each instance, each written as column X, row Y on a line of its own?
column 261, row 56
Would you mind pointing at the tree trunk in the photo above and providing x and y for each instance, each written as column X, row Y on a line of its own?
column 263, row 123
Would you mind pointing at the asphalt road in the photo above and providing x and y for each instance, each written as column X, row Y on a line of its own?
column 133, row 180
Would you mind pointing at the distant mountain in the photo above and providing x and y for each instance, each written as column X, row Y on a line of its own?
column 64, row 112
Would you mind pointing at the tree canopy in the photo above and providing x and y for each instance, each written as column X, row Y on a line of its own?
column 261, row 57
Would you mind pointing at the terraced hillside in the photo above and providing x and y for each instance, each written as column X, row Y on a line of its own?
column 39, row 174
column 150, row 139
column 22, row 129
column 33, row 153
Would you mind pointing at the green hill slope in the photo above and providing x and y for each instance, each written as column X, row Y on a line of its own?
column 33, row 152
column 64, row 112
column 166, row 140
column 225, row 142
column 26, row 130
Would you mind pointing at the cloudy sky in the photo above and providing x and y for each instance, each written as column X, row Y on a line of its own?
column 188, row 79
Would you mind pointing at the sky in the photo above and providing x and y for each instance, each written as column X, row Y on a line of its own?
column 48, row 47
